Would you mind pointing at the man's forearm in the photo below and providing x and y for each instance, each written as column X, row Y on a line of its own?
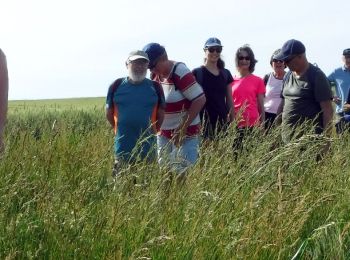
column 160, row 118
column 327, row 116
column 193, row 111
column 110, row 117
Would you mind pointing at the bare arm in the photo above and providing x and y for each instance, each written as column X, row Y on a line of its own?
column 160, row 118
column 278, row 119
column 229, row 103
column 110, row 116
column 260, row 98
column 3, row 96
column 327, row 116
column 193, row 111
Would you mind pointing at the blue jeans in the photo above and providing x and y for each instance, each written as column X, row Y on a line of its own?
column 177, row 159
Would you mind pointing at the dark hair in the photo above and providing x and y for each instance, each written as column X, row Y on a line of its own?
column 220, row 63
column 253, row 61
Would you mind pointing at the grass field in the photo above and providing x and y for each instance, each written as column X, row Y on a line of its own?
column 57, row 199
column 56, row 104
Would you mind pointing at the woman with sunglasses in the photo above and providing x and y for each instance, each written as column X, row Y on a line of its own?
column 273, row 82
column 248, row 93
column 215, row 80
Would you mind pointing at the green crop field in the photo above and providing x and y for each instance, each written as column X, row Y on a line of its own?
column 58, row 201
column 56, row 104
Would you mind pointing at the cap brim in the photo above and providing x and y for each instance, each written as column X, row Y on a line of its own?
column 281, row 56
column 137, row 57
column 213, row 45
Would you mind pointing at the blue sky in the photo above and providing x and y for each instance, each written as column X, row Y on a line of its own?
column 76, row 48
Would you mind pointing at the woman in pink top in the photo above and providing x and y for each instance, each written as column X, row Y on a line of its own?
column 248, row 93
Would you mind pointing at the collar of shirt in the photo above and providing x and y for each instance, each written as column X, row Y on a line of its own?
column 345, row 68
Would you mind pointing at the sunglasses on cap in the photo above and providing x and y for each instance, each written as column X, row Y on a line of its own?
column 244, row 58
column 218, row 49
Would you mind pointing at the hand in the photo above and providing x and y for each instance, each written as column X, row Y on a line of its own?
column 178, row 137
column 336, row 100
column 346, row 108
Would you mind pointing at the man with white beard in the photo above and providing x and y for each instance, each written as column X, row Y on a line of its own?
column 135, row 109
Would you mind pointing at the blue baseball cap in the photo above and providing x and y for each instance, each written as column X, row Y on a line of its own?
column 212, row 42
column 290, row 48
column 154, row 51
column 346, row 52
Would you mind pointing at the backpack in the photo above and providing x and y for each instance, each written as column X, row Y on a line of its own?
column 114, row 87
column 198, row 73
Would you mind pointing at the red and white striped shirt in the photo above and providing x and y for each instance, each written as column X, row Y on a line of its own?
column 180, row 89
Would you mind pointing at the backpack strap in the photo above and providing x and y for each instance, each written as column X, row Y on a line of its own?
column 198, row 74
column 111, row 92
column 312, row 75
column 113, row 88
column 161, row 101
column 286, row 76
column 266, row 78
column 173, row 71
column 158, row 89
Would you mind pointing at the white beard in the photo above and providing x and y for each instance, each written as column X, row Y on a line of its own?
column 137, row 77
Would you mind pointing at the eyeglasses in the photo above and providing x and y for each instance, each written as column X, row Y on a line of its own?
column 244, row 58
column 277, row 61
column 218, row 49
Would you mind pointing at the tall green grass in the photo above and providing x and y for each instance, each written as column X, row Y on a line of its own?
column 57, row 199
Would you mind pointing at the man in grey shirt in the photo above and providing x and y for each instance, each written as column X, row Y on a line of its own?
column 3, row 97
column 306, row 94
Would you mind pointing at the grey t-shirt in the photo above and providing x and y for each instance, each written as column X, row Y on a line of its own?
column 302, row 96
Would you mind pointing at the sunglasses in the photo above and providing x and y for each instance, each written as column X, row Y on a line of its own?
column 217, row 49
column 277, row 61
column 244, row 58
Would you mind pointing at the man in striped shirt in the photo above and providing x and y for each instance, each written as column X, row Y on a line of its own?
column 178, row 141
